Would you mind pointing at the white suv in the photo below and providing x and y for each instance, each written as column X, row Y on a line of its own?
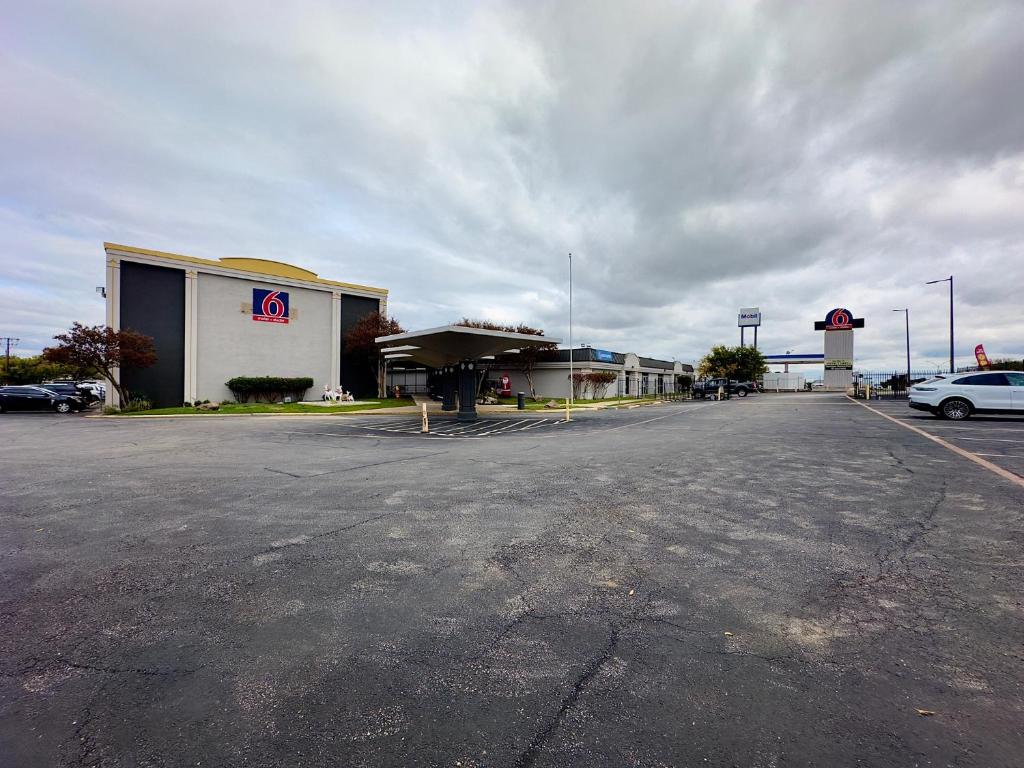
column 958, row 396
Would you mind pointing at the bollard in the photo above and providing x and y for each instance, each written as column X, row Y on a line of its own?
column 426, row 424
column 520, row 401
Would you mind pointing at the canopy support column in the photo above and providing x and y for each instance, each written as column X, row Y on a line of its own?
column 467, row 390
column 448, row 387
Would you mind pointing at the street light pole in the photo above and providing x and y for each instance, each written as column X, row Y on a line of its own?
column 952, row 365
column 906, row 312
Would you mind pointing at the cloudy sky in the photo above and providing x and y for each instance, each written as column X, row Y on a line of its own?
column 695, row 157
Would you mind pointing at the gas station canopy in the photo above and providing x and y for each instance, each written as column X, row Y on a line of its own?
column 451, row 344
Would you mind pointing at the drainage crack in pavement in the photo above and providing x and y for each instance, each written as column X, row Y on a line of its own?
column 307, row 539
column 359, row 466
column 540, row 738
column 37, row 664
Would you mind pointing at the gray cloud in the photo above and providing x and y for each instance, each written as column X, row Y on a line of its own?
column 694, row 157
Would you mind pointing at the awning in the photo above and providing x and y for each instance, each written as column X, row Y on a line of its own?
column 447, row 345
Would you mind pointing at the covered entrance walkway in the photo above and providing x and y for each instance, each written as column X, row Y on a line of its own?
column 455, row 352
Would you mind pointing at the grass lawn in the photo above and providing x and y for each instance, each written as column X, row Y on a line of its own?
column 242, row 409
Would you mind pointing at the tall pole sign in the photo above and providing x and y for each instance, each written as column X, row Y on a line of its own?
column 838, row 326
column 749, row 317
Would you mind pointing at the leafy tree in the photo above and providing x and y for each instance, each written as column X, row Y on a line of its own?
column 527, row 358
column 33, row 370
column 741, row 363
column 360, row 343
column 100, row 350
column 1006, row 364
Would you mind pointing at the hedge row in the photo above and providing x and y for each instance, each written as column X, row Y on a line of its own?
column 268, row 389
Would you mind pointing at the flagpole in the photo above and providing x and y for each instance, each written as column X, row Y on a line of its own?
column 568, row 400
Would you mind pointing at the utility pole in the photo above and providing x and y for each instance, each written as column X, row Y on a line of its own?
column 7, row 340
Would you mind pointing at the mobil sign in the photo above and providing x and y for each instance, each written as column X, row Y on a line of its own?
column 269, row 306
column 749, row 316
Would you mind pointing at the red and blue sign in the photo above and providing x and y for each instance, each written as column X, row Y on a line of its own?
column 269, row 306
column 839, row 320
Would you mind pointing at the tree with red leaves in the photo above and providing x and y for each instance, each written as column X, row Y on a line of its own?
column 360, row 342
column 100, row 350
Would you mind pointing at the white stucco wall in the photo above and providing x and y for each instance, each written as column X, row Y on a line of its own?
column 838, row 345
column 231, row 343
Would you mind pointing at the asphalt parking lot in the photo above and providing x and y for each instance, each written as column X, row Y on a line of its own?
column 997, row 438
column 785, row 580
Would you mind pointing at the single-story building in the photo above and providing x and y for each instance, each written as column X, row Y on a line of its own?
column 214, row 319
column 634, row 375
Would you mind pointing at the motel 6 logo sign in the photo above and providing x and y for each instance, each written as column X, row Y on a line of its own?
column 269, row 306
column 839, row 320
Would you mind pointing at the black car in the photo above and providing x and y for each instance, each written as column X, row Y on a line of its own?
column 38, row 399
column 70, row 389
column 709, row 388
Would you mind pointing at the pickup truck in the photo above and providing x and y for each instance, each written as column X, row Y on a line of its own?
column 709, row 388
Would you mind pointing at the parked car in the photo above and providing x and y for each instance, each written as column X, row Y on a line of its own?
column 71, row 389
column 960, row 396
column 709, row 387
column 38, row 399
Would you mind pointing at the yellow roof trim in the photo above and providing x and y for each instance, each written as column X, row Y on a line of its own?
column 246, row 264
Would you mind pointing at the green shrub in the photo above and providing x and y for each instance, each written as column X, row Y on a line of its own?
column 267, row 389
column 110, row 410
column 137, row 404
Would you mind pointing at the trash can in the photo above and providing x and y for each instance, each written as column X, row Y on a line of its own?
column 521, row 401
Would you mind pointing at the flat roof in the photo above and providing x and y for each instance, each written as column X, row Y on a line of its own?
column 262, row 267
column 448, row 344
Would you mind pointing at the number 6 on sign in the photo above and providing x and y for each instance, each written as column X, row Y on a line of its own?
column 269, row 306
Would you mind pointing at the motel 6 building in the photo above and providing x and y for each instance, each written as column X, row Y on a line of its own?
column 213, row 320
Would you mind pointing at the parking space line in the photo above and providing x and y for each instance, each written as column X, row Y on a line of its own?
column 534, row 426
column 980, row 426
column 454, row 429
column 656, row 418
column 991, row 467
column 479, row 426
column 989, row 439
column 510, row 427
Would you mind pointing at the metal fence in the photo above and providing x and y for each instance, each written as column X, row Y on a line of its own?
column 889, row 385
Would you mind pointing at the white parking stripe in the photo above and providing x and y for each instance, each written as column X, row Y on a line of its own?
column 454, row 429
column 510, row 427
column 988, row 439
column 990, row 466
column 981, row 426
column 539, row 423
column 478, row 426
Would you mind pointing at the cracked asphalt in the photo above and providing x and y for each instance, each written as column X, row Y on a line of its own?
column 775, row 581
